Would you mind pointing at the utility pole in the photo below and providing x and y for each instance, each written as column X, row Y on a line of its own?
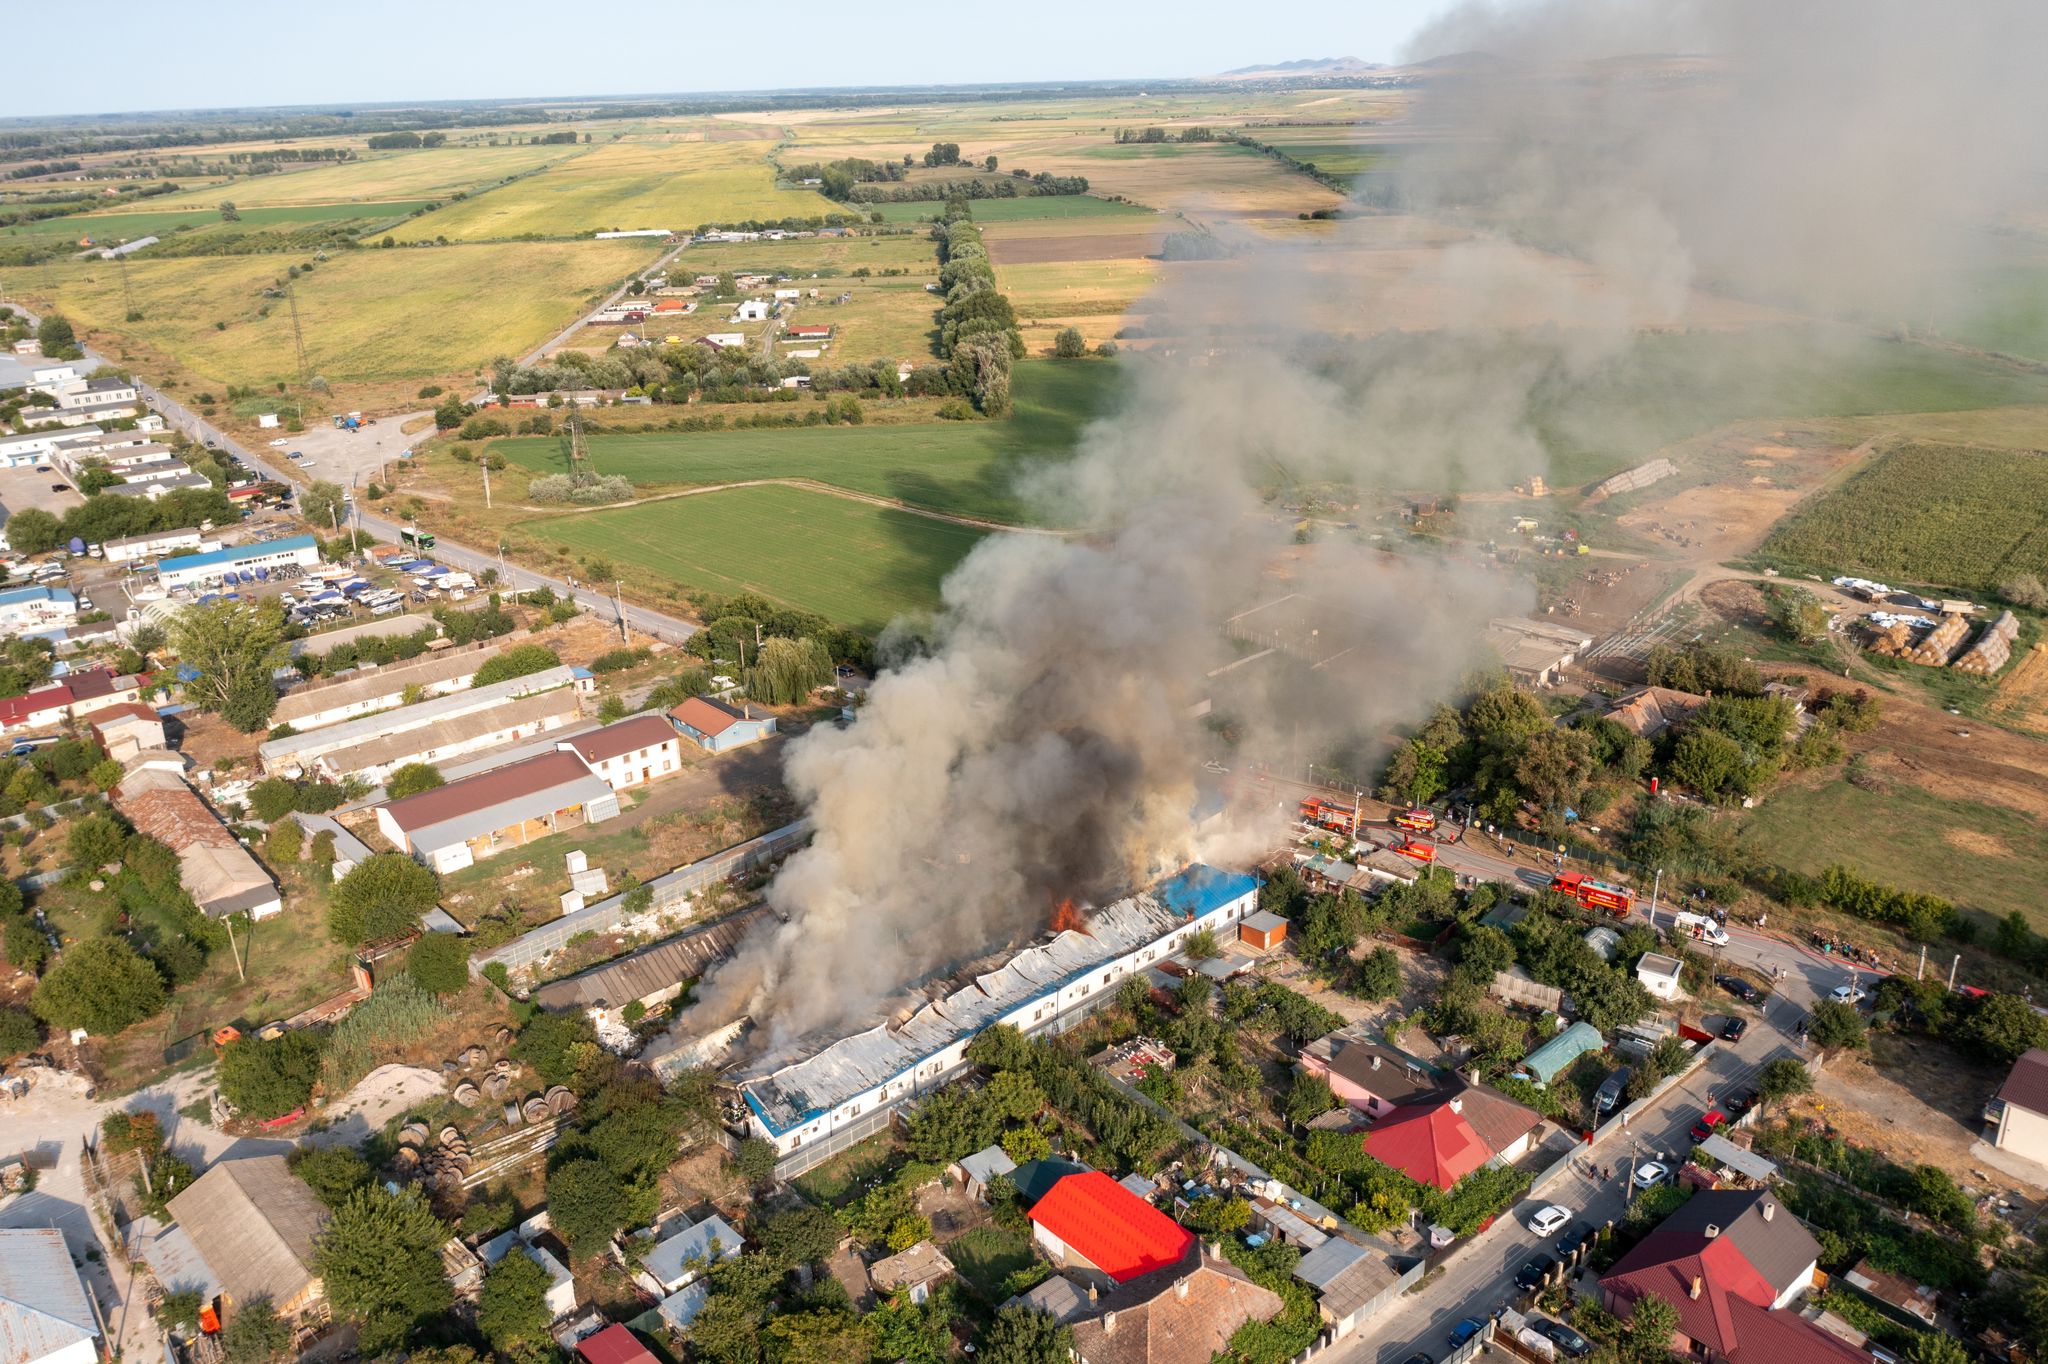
column 127, row 293
column 503, row 576
column 1921, row 969
column 1952, row 972
column 1655, row 886
column 485, row 465
column 619, row 605
column 291, row 298
column 234, row 950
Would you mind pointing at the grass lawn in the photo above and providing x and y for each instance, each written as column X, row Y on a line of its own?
column 1669, row 387
column 1903, row 837
column 367, row 315
column 962, row 467
column 986, row 1256
column 626, row 185
column 858, row 564
column 841, row 1178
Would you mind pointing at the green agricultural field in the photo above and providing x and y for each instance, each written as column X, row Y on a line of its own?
column 367, row 315
column 966, row 468
column 627, row 185
column 113, row 228
column 1937, row 515
column 379, row 177
column 854, row 562
column 1909, row 838
column 1027, row 208
column 1669, row 387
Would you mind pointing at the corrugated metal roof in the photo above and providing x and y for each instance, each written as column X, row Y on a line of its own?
column 637, row 975
column 713, row 1238
column 42, row 1303
column 254, row 1222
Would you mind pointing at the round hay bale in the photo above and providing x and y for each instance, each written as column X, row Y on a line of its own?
column 412, row 1134
column 501, row 1041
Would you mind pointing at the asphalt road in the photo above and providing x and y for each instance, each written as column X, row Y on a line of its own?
column 638, row 621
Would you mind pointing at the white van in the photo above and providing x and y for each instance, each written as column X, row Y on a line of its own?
column 1700, row 926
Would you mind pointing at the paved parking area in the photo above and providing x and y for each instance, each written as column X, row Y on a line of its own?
column 22, row 488
column 337, row 456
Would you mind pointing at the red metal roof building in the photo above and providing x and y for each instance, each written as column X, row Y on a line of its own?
column 614, row 1345
column 1088, row 1221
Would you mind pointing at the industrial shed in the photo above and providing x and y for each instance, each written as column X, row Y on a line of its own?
column 454, row 826
column 653, row 975
column 254, row 1223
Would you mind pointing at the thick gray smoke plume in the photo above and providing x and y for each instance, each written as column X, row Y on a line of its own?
column 1043, row 747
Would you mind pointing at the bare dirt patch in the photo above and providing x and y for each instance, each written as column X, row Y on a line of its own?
column 1031, row 250
column 1959, row 761
column 1976, row 843
column 2023, row 696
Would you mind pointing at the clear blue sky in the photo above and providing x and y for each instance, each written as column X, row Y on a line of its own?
column 229, row 53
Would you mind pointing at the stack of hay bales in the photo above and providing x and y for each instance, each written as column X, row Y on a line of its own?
column 1993, row 649
column 1941, row 643
column 1894, row 641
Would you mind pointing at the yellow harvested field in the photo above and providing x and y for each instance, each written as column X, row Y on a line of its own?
column 1084, row 288
column 379, row 177
column 367, row 316
column 668, row 183
column 1205, row 181
column 914, row 252
column 883, row 320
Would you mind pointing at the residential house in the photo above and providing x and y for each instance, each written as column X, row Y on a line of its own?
column 127, row 729
column 97, row 689
column 27, row 610
column 2020, row 1108
column 717, row 727
column 614, row 1345
column 975, row 1171
column 1368, row 1075
column 1556, row 1056
column 1729, row 1261
column 254, row 1223
column 1183, row 1313
column 1536, row 653
column 1648, row 711
column 650, row 976
column 534, row 1239
column 371, row 689
column 45, row 1317
column 453, row 826
column 682, row 1258
column 1102, row 1233
column 221, row 875
column 753, row 310
column 1659, row 974
column 916, row 1272
column 1441, row 1138
column 1352, row 1283
column 633, row 752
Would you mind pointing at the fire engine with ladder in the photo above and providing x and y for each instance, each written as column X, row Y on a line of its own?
column 1594, row 894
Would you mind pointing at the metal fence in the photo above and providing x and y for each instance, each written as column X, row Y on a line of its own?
column 668, row 889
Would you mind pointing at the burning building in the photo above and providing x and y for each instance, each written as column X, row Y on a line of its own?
column 843, row 1089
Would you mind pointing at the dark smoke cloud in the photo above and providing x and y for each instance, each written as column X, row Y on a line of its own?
column 1814, row 156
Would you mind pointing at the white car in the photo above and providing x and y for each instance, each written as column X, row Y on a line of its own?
column 1848, row 994
column 1651, row 1173
column 279, row 444
column 1550, row 1221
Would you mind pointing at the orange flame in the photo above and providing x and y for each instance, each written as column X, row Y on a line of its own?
column 1065, row 917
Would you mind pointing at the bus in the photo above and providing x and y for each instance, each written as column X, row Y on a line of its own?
column 416, row 539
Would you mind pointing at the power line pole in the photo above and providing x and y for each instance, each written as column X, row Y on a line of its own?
column 619, row 605
column 127, row 292
column 485, row 465
column 291, row 298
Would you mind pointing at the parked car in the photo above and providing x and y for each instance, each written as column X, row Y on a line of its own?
column 1550, row 1221
column 1651, row 1173
column 296, row 454
column 44, row 469
column 1569, row 1243
column 1420, row 1357
column 1848, row 994
column 1612, row 1088
column 1710, row 1121
column 1740, row 1102
column 1465, row 1330
column 279, row 444
column 60, row 487
column 1737, row 986
column 1531, row 1275
column 1734, row 1027
column 1563, row 1337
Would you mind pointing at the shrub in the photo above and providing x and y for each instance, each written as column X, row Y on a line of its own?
column 382, row 897
column 1069, row 344
column 100, row 985
column 266, row 1078
column 412, row 778
column 439, row 963
column 521, row 660
column 18, row 1033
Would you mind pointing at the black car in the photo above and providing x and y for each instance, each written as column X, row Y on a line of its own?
column 1737, row 986
column 1562, row 1336
column 1732, row 1030
column 1573, row 1237
column 1420, row 1357
column 1740, row 1102
column 1530, row 1276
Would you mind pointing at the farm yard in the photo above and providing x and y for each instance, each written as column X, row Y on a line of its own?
column 854, row 562
column 960, row 468
column 367, row 316
column 1928, row 514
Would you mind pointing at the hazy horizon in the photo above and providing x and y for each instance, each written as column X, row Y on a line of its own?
column 386, row 53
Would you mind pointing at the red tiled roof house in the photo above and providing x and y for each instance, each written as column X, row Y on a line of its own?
column 1441, row 1138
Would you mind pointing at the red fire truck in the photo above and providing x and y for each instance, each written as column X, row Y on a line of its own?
column 1327, row 814
column 1421, row 849
column 1418, row 819
column 1594, row 894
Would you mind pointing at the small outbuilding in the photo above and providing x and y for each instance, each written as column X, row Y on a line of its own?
column 1262, row 930
column 717, row 727
column 1659, row 974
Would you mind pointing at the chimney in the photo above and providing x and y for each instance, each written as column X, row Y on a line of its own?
column 1769, row 1208
column 1697, row 1285
column 1215, row 1250
column 1091, row 1295
column 1457, row 1105
column 1109, row 1323
column 1375, row 1060
column 1713, row 1230
column 1180, row 1288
